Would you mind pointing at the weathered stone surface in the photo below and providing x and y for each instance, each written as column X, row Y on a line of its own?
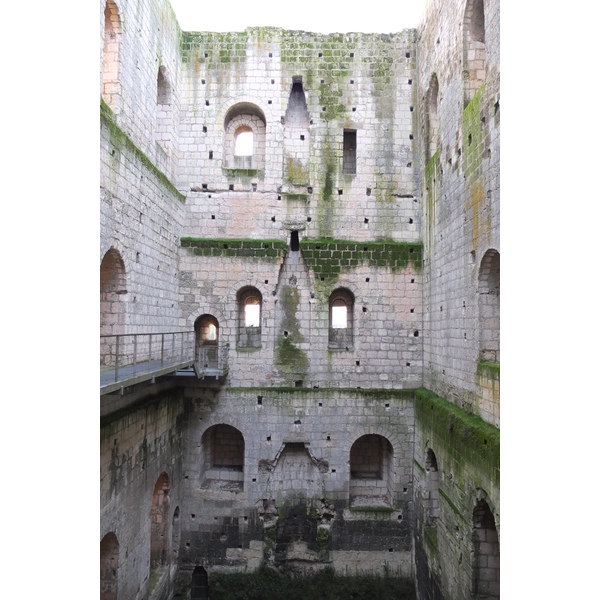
column 371, row 191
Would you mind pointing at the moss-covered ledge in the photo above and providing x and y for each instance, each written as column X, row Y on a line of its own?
column 232, row 173
column 328, row 257
column 466, row 437
column 488, row 369
column 238, row 248
column 121, row 140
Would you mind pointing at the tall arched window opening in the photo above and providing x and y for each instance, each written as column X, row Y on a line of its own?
column 159, row 523
column 109, row 566
column 111, row 55
column 113, row 287
column 164, row 110
column 250, row 308
column 341, row 319
column 486, row 547
column 488, row 292
column 206, row 328
column 432, row 135
column 474, row 57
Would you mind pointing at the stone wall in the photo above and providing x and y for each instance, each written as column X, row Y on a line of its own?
column 141, row 218
column 143, row 38
column 139, row 449
column 356, row 82
column 460, row 185
column 295, row 500
column 457, row 466
column 371, row 190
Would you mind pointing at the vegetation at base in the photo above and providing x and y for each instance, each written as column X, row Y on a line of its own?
column 268, row 584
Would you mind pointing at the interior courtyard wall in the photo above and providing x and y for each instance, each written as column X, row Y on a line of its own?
column 461, row 205
column 172, row 242
column 361, row 82
column 229, row 527
column 150, row 38
column 467, row 470
column 385, row 351
column 141, row 217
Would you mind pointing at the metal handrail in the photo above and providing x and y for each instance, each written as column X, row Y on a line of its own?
column 212, row 357
column 138, row 351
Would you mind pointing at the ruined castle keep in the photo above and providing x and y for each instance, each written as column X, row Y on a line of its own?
column 300, row 302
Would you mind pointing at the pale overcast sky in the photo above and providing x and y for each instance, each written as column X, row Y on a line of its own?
column 321, row 16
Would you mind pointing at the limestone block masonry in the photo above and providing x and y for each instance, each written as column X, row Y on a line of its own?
column 321, row 214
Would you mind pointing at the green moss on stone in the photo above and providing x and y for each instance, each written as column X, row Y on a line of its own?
column 329, row 258
column 372, row 510
column 464, row 437
column 242, row 173
column 239, row 248
column 430, row 535
column 473, row 136
column 488, row 369
column 120, row 140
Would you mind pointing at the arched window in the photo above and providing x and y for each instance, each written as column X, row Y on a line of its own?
column 223, row 447
column 164, row 110
column 371, row 471
column 249, row 307
column 113, row 287
column 159, row 523
column 111, row 55
column 474, row 58
column 432, row 136
column 245, row 135
column 244, row 141
column 341, row 318
column 206, row 328
column 488, row 293
column 486, row 547
column 109, row 566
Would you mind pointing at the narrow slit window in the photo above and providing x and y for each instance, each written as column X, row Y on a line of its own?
column 349, row 165
column 294, row 242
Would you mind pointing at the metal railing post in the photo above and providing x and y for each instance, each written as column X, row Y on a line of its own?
column 150, row 354
column 117, row 359
column 134, row 354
